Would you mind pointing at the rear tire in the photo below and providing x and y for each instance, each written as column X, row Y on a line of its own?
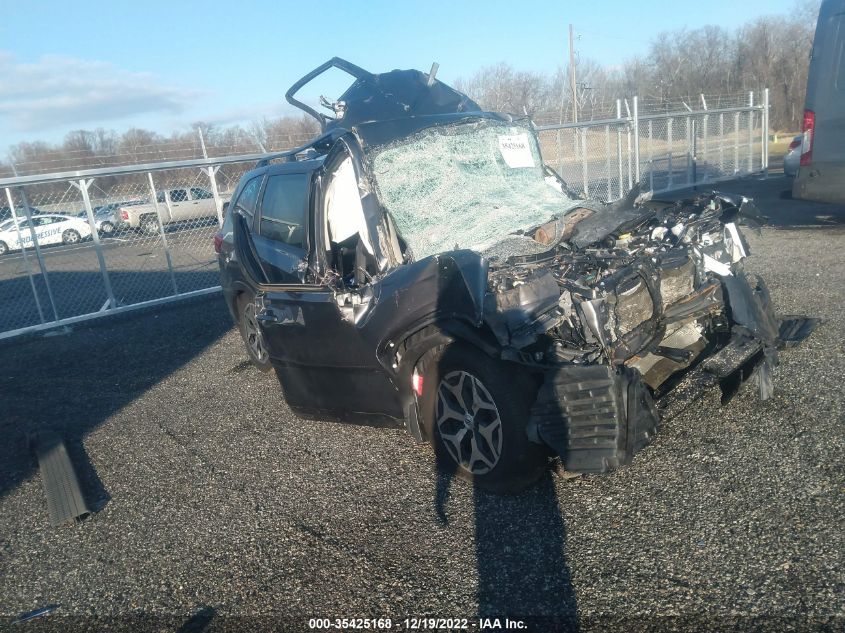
column 71, row 236
column 251, row 334
column 107, row 228
column 4, row 248
column 475, row 410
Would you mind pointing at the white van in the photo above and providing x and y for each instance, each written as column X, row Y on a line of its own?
column 821, row 173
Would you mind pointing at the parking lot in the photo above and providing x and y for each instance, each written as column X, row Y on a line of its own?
column 213, row 500
column 136, row 264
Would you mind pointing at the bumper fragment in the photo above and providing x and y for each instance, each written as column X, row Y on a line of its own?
column 595, row 417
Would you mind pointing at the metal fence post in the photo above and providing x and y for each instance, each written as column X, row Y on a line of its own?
column 83, row 185
column 628, row 135
column 39, row 256
column 608, row 168
column 212, row 172
column 689, row 152
column 584, row 174
column 721, row 143
column 25, row 257
column 619, row 144
column 559, row 153
column 751, row 132
column 636, row 126
column 736, row 143
column 704, row 135
column 764, row 156
column 670, row 123
column 650, row 155
column 154, row 198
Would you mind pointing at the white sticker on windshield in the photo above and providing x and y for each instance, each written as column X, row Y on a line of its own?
column 516, row 151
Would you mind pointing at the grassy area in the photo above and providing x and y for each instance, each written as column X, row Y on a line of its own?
column 780, row 146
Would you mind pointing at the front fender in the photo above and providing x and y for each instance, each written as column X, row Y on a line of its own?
column 443, row 291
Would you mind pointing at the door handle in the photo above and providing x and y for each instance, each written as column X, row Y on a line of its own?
column 267, row 316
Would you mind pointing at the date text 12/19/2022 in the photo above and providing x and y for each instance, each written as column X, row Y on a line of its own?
column 417, row 624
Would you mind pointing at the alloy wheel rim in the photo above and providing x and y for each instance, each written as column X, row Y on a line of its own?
column 254, row 340
column 469, row 422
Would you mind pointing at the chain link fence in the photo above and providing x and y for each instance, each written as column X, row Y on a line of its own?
column 90, row 243
column 76, row 245
column 662, row 151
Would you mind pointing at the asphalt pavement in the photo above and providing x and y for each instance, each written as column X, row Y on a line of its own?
column 218, row 509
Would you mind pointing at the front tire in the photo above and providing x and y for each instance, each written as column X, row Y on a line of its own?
column 107, row 228
column 251, row 334
column 475, row 410
column 71, row 236
column 4, row 248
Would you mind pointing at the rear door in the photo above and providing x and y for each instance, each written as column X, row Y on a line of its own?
column 322, row 362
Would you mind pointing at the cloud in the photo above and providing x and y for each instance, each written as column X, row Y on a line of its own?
column 57, row 91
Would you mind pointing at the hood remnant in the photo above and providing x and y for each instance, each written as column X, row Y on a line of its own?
column 384, row 96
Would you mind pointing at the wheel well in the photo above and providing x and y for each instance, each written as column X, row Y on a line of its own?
column 235, row 299
column 425, row 341
column 422, row 341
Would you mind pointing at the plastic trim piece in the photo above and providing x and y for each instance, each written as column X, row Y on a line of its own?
column 65, row 502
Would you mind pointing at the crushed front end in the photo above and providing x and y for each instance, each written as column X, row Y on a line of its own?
column 613, row 303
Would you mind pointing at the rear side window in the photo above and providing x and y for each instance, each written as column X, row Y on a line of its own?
column 178, row 195
column 283, row 209
column 249, row 196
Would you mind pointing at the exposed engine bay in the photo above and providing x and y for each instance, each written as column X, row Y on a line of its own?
column 625, row 299
column 612, row 283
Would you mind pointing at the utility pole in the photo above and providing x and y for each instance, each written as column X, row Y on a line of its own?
column 572, row 76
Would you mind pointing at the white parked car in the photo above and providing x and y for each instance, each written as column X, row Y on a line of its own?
column 49, row 229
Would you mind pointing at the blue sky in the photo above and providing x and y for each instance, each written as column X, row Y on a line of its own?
column 162, row 65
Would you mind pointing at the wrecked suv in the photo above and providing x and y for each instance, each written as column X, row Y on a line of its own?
column 417, row 263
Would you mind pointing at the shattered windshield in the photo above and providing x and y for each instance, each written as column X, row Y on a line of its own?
column 467, row 185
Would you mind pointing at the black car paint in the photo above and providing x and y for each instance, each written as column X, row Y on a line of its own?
column 325, row 368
